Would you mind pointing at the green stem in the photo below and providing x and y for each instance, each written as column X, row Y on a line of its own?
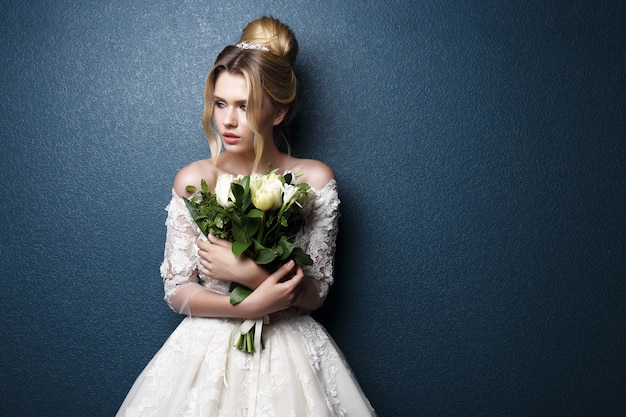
column 280, row 214
column 261, row 232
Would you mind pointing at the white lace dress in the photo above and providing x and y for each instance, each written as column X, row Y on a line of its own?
column 197, row 372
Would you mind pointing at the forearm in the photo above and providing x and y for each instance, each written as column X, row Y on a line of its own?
column 252, row 275
column 269, row 297
column 217, row 261
column 193, row 299
column 206, row 303
column 284, row 288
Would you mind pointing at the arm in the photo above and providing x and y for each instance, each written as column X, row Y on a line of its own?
column 217, row 261
column 185, row 295
column 271, row 296
column 318, row 238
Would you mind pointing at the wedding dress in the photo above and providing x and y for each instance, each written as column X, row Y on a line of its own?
column 300, row 372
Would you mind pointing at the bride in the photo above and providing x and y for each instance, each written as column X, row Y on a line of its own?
column 249, row 99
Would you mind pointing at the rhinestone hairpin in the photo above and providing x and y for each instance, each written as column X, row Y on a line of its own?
column 246, row 45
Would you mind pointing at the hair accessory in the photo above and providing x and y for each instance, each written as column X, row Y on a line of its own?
column 246, row 45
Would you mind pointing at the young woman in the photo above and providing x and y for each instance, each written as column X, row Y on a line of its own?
column 249, row 98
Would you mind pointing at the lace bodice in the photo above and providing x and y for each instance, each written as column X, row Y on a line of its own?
column 180, row 264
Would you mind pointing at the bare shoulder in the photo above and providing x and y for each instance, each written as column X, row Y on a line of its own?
column 315, row 173
column 193, row 174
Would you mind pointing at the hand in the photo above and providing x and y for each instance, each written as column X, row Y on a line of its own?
column 278, row 292
column 217, row 261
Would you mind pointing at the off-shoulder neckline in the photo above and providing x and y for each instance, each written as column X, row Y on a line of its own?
column 328, row 185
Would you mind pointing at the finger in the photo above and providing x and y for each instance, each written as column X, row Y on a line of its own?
column 219, row 242
column 282, row 272
column 205, row 267
column 204, row 253
column 203, row 244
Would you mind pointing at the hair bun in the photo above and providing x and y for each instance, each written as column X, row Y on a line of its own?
column 273, row 34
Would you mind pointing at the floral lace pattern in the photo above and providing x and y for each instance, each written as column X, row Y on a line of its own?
column 318, row 237
column 198, row 373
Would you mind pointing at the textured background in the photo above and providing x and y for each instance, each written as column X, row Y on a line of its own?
column 480, row 148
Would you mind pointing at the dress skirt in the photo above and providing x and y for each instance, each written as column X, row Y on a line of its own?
column 300, row 372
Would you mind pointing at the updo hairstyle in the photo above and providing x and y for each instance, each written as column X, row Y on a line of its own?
column 266, row 72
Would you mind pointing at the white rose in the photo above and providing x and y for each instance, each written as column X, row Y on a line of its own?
column 223, row 193
column 263, row 199
column 275, row 186
column 270, row 191
column 256, row 181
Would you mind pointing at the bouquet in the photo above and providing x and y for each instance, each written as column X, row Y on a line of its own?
column 260, row 215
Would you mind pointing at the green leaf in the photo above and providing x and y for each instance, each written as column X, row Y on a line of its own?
column 265, row 256
column 252, row 226
column 239, row 232
column 239, row 294
column 286, row 246
column 245, row 184
column 238, row 191
column 255, row 213
column 257, row 245
column 239, row 248
column 301, row 257
column 247, row 200
column 191, row 206
column 234, row 217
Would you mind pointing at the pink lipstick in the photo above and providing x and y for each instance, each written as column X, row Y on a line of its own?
column 230, row 138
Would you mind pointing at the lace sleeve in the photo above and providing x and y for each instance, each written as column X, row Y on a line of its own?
column 318, row 237
column 179, row 268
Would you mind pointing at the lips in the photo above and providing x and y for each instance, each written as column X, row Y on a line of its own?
column 230, row 138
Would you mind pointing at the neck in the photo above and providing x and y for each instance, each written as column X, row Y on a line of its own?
column 271, row 159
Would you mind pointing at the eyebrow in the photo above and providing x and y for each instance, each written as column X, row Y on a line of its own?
column 238, row 102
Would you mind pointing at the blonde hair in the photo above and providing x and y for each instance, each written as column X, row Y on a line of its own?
column 267, row 73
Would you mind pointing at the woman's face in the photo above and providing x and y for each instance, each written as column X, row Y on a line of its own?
column 230, row 97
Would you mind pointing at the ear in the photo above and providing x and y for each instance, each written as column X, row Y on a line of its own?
column 279, row 115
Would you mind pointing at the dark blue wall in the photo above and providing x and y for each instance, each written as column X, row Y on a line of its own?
column 480, row 149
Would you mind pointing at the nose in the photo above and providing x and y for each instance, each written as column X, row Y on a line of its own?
column 230, row 118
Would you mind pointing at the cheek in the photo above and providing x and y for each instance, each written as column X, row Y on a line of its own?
column 243, row 118
column 243, row 122
column 217, row 115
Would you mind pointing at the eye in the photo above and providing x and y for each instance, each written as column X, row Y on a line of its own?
column 242, row 107
column 219, row 104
